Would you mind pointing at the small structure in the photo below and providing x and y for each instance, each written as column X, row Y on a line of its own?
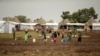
column 29, row 26
column 79, row 26
column 90, row 22
column 63, row 24
column 2, row 26
column 6, row 26
column 52, row 24
column 40, row 21
column 96, row 26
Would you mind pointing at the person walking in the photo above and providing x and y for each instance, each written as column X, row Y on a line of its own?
column 62, row 33
column 26, row 36
column 13, row 33
column 43, row 33
column 79, row 37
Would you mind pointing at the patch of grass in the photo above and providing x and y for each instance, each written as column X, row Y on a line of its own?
column 97, row 31
column 19, row 34
column 5, row 35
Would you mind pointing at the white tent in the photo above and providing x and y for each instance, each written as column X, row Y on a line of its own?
column 96, row 26
column 52, row 25
column 2, row 26
column 77, row 24
column 27, row 25
column 6, row 26
column 80, row 26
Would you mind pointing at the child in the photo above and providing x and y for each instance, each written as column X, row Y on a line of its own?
column 68, row 37
column 26, row 36
column 79, row 37
column 54, row 36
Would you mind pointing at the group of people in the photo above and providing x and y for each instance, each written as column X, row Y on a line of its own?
column 65, row 36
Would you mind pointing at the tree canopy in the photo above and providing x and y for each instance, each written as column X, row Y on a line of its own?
column 14, row 19
column 21, row 18
column 81, row 16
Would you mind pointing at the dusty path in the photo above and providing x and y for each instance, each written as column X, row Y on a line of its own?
column 88, row 47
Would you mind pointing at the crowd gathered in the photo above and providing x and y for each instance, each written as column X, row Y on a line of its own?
column 65, row 35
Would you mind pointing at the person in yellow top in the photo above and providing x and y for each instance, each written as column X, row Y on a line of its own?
column 26, row 36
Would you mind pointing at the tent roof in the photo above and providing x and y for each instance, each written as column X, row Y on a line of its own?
column 63, row 22
column 51, row 21
column 15, row 19
column 40, row 21
column 90, row 21
column 28, row 21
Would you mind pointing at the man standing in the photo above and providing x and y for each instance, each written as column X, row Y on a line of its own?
column 13, row 32
column 43, row 33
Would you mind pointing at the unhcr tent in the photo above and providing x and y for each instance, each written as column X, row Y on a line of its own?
column 6, row 26
column 29, row 26
column 2, row 26
column 79, row 26
column 96, row 26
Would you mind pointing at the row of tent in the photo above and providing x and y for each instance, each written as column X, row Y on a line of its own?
column 6, row 26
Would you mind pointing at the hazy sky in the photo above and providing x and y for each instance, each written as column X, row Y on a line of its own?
column 48, row 9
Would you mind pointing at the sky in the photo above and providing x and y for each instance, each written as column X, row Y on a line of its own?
column 47, row 9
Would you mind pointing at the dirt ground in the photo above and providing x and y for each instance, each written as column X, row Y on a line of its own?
column 90, row 46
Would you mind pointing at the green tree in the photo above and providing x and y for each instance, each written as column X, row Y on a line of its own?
column 65, row 15
column 81, row 16
column 21, row 18
column 7, row 18
column 74, row 17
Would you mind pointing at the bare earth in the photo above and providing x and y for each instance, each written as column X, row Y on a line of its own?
column 90, row 46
